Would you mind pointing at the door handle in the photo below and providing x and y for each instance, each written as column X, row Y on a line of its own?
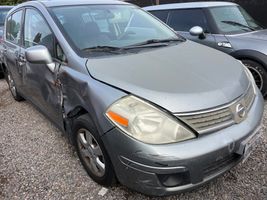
column 22, row 58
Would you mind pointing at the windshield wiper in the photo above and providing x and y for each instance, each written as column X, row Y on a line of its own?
column 103, row 48
column 238, row 24
column 159, row 42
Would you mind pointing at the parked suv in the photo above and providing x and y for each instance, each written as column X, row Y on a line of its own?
column 224, row 26
column 108, row 75
column 3, row 12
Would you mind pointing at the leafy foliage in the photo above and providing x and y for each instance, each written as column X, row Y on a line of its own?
column 11, row 2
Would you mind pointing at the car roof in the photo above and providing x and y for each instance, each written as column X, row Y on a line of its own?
column 6, row 7
column 50, row 3
column 189, row 5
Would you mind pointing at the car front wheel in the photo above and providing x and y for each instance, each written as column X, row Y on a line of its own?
column 91, row 151
column 259, row 74
column 2, row 75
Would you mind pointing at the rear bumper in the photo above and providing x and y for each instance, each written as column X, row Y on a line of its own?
column 160, row 170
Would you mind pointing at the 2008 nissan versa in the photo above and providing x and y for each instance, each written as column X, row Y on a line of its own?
column 142, row 105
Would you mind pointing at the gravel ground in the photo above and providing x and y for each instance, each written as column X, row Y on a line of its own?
column 37, row 162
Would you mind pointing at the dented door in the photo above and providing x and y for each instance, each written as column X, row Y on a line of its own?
column 40, row 82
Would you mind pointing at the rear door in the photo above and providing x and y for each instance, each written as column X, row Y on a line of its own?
column 3, row 14
column 11, row 47
column 182, row 20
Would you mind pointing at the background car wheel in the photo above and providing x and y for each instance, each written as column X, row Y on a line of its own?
column 91, row 151
column 259, row 74
column 12, row 88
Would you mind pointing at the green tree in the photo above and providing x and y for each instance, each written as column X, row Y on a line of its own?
column 11, row 2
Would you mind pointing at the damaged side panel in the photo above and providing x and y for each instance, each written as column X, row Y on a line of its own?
column 41, row 88
column 81, row 92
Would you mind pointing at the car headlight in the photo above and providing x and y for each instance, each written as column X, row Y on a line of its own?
column 147, row 123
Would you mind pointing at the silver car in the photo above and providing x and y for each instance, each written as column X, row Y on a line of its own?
column 224, row 26
column 141, row 105
column 3, row 12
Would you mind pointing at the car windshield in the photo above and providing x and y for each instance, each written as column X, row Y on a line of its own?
column 234, row 20
column 3, row 13
column 110, row 27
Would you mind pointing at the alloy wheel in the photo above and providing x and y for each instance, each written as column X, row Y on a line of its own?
column 91, row 152
column 257, row 76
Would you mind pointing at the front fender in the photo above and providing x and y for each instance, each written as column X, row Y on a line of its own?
column 251, row 55
column 81, row 91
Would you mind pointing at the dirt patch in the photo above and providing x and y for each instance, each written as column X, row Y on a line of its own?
column 3, row 98
column 3, row 182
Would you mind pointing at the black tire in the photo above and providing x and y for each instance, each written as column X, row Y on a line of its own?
column 259, row 74
column 80, row 125
column 12, row 87
column 2, row 75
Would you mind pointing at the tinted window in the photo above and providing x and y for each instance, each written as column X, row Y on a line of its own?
column 184, row 20
column 233, row 19
column 36, row 31
column 14, row 27
column 3, row 13
column 161, row 14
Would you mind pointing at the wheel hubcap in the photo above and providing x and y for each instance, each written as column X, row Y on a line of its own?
column 257, row 76
column 91, row 152
column 11, row 85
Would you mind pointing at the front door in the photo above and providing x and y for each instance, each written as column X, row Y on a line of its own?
column 41, row 86
column 209, row 39
column 182, row 20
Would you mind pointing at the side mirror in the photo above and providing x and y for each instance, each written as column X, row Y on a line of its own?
column 40, row 55
column 197, row 31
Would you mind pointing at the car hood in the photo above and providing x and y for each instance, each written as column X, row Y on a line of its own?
column 181, row 78
column 255, row 35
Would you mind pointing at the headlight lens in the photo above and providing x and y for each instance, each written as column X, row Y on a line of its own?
column 147, row 123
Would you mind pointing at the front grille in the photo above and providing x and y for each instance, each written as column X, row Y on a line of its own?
column 219, row 118
column 208, row 121
column 221, row 164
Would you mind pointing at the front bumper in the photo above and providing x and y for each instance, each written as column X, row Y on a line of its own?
column 160, row 170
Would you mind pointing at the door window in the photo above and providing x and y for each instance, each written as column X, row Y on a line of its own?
column 37, row 31
column 184, row 20
column 161, row 14
column 13, row 27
